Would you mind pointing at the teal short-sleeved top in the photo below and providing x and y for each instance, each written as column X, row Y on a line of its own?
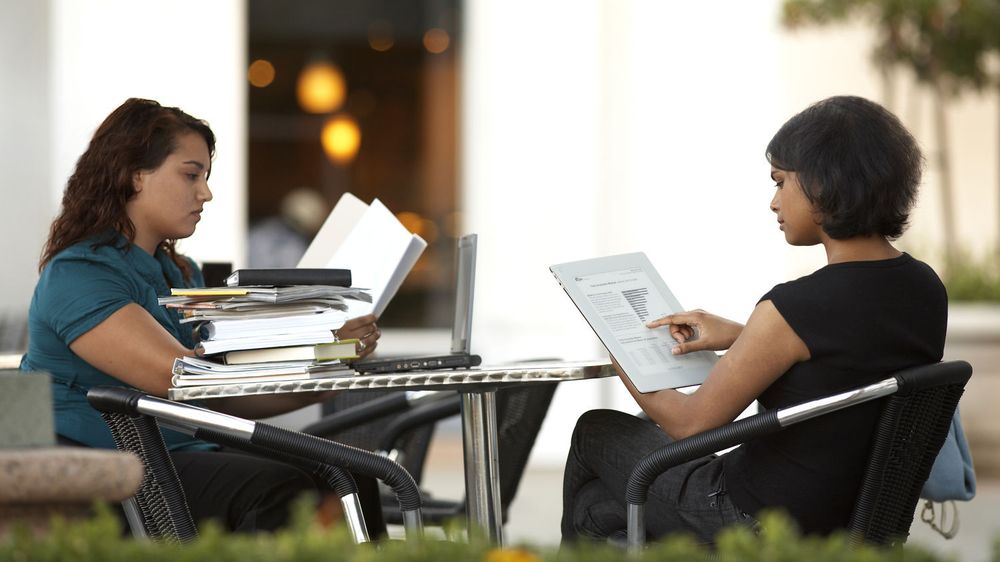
column 78, row 289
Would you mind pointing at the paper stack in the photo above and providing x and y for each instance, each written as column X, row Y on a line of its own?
column 237, row 318
column 283, row 328
column 192, row 371
column 265, row 333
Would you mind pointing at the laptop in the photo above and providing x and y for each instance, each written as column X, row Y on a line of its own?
column 461, row 329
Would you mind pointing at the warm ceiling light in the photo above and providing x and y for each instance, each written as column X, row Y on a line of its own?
column 261, row 73
column 411, row 221
column 341, row 138
column 380, row 36
column 424, row 228
column 321, row 87
column 436, row 40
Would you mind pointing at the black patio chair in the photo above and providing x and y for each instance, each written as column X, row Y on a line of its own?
column 914, row 421
column 401, row 425
column 160, row 510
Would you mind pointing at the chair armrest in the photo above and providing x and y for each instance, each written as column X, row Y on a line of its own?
column 690, row 448
column 339, row 480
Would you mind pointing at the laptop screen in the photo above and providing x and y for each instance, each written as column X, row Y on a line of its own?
column 465, row 280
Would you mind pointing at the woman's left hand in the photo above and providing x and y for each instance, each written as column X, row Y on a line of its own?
column 364, row 329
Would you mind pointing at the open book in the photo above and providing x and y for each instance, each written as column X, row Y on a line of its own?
column 372, row 243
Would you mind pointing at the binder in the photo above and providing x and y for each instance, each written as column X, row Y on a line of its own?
column 290, row 276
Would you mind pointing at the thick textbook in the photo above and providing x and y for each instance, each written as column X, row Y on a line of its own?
column 618, row 295
column 290, row 276
column 371, row 242
column 343, row 350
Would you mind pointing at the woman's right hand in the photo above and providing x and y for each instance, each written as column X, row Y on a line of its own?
column 697, row 330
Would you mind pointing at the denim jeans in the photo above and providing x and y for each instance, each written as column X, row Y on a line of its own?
column 606, row 446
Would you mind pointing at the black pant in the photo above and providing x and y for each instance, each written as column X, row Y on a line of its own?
column 250, row 493
column 606, row 446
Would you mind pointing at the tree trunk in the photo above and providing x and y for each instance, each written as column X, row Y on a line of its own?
column 888, row 86
column 944, row 173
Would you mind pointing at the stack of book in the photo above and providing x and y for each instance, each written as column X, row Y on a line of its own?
column 277, row 324
column 264, row 333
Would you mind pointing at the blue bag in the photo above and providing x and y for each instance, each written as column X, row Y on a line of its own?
column 952, row 476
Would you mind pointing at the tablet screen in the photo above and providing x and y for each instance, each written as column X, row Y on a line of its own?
column 617, row 295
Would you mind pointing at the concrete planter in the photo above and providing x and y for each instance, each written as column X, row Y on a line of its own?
column 974, row 335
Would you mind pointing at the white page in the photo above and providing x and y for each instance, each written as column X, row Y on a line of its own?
column 625, row 300
column 380, row 252
column 345, row 214
column 406, row 263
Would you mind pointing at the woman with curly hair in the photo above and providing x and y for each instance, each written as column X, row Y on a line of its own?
column 94, row 319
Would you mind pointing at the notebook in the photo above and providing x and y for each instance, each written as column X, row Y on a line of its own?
column 461, row 329
column 617, row 295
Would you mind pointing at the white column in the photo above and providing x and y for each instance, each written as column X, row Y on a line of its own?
column 183, row 53
column 601, row 127
column 26, row 208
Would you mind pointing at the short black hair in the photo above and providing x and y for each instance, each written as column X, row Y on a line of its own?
column 857, row 164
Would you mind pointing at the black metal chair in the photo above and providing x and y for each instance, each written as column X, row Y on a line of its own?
column 520, row 413
column 363, row 419
column 401, row 426
column 160, row 510
column 914, row 421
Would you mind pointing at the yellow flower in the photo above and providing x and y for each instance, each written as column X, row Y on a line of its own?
column 510, row 555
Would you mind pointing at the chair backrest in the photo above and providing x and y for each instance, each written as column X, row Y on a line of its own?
column 161, row 502
column 911, row 429
column 520, row 413
column 413, row 446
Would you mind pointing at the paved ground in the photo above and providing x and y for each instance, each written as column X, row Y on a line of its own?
column 534, row 517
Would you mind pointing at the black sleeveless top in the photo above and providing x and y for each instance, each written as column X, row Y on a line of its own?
column 861, row 321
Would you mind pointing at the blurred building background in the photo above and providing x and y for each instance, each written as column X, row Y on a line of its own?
column 556, row 130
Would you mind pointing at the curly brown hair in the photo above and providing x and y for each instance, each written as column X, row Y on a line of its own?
column 138, row 136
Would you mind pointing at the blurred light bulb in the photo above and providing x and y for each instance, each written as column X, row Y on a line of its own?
column 380, row 36
column 321, row 87
column 341, row 138
column 261, row 73
column 436, row 40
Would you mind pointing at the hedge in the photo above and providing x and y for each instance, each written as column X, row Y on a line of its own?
column 101, row 539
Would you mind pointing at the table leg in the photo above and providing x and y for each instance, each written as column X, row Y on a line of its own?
column 482, row 483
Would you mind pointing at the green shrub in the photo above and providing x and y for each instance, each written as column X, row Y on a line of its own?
column 968, row 279
column 100, row 539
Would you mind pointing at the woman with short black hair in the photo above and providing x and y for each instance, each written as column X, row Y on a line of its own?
column 846, row 174
column 856, row 164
